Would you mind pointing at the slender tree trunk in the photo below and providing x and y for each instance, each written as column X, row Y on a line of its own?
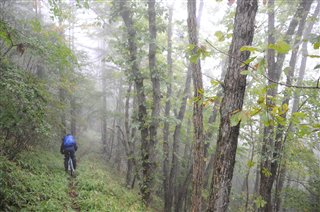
column 274, row 72
column 141, row 101
column 208, row 135
column 304, row 52
column 104, row 113
column 166, row 176
column 63, row 117
column 245, row 186
column 198, row 145
column 282, row 170
column 129, row 138
column 177, row 136
column 182, row 191
column 279, row 185
column 148, row 147
column 234, row 89
column 73, row 114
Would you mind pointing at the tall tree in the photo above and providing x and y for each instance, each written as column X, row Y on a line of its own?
column 234, row 89
column 198, row 143
column 149, row 157
column 269, row 163
column 137, row 77
column 282, row 135
column 167, row 196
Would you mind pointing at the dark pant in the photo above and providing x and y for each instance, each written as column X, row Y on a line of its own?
column 66, row 157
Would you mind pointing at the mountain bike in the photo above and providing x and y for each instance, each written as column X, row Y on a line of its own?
column 70, row 165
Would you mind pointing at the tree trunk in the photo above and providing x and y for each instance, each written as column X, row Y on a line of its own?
column 198, row 145
column 166, row 178
column 129, row 138
column 304, row 52
column 73, row 114
column 282, row 170
column 234, row 89
column 177, row 136
column 104, row 113
column 182, row 191
column 141, row 100
column 208, row 135
column 274, row 72
column 149, row 148
column 62, row 99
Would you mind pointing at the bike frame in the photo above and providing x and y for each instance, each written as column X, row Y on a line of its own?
column 70, row 165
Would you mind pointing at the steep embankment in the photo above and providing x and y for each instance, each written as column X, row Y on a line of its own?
column 37, row 182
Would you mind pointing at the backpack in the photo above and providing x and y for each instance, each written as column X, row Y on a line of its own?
column 68, row 141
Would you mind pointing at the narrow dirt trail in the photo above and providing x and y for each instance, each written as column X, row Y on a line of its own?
column 72, row 191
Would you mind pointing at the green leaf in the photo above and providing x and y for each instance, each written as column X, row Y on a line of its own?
column 245, row 72
column 249, row 60
column 36, row 25
column 235, row 119
column 265, row 119
column 190, row 47
column 215, row 82
column 261, row 99
column 250, row 164
column 260, row 202
column 219, row 35
column 248, row 48
column 316, row 45
column 261, row 66
column 266, row 172
column 280, row 46
column 254, row 111
column 194, row 58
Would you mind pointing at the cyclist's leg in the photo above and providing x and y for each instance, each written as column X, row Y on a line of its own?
column 66, row 157
column 74, row 161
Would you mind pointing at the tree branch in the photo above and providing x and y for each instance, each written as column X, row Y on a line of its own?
column 264, row 75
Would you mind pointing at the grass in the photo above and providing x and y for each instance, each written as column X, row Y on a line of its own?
column 36, row 181
column 99, row 191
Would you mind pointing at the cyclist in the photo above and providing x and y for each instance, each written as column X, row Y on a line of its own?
column 69, row 145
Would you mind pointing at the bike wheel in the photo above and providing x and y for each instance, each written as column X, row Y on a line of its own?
column 70, row 167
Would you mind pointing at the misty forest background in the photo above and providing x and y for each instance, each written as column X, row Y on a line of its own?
column 208, row 105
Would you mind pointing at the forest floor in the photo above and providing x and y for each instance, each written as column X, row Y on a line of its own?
column 36, row 181
column 72, row 191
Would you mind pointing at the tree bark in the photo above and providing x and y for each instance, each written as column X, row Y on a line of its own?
column 198, row 141
column 177, row 136
column 274, row 72
column 234, row 89
column 104, row 113
column 62, row 99
column 282, row 167
column 167, row 197
column 304, row 52
column 141, row 101
column 129, row 139
column 149, row 159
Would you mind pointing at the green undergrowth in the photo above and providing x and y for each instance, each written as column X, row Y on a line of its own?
column 33, row 182
column 99, row 191
column 36, row 181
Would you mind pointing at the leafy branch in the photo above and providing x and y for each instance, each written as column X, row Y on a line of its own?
column 264, row 75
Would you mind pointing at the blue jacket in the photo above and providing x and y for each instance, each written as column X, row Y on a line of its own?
column 64, row 149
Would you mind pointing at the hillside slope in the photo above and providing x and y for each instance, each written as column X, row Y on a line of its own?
column 37, row 182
